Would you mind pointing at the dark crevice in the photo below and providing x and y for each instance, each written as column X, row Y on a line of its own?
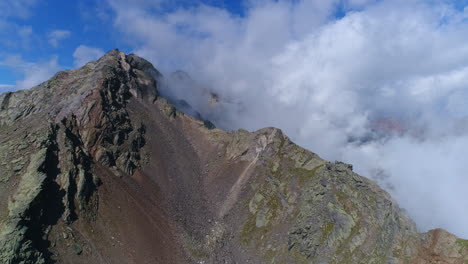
column 6, row 101
column 81, row 162
column 47, row 208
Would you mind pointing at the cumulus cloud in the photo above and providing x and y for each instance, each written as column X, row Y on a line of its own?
column 55, row 36
column 382, row 86
column 16, row 8
column 33, row 72
column 15, row 36
column 83, row 54
column 12, row 33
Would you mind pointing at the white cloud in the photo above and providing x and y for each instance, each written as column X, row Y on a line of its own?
column 12, row 33
column 33, row 72
column 383, row 87
column 16, row 8
column 55, row 36
column 359, row 3
column 15, row 36
column 84, row 54
column 92, row 12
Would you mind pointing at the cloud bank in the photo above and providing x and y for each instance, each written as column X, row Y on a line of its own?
column 380, row 84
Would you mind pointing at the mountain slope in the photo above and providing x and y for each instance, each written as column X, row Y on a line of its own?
column 96, row 167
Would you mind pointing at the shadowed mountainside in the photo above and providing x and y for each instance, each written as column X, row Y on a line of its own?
column 97, row 167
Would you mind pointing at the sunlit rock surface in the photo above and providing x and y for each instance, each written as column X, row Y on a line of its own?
column 97, row 167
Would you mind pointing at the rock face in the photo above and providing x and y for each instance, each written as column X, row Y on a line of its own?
column 97, row 167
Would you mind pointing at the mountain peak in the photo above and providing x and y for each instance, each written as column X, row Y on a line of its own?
column 114, row 73
column 96, row 167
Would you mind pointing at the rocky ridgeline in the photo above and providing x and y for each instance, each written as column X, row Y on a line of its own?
column 83, row 127
column 198, row 194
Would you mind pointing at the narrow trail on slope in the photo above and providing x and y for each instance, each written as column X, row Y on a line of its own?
column 236, row 188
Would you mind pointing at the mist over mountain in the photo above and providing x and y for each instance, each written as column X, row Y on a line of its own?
column 379, row 84
column 382, row 87
column 97, row 166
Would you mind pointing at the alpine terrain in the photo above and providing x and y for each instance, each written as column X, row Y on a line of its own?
column 97, row 167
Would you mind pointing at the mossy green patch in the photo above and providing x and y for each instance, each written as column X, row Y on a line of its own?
column 270, row 255
column 343, row 248
column 274, row 204
column 280, row 148
column 198, row 252
column 462, row 247
column 250, row 232
column 462, row 242
column 304, row 175
column 259, row 221
column 87, row 69
column 326, row 230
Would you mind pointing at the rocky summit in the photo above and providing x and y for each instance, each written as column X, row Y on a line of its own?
column 97, row 167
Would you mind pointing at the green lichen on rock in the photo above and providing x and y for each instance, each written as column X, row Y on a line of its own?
column 303, row 175
column 265, row 208
column 463, row 243
column 326, row 230
column 283, row 203
column 30, row 185
column 333, row 214
column 14, row 246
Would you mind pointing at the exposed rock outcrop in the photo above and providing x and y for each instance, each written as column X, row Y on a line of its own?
column 97, row 167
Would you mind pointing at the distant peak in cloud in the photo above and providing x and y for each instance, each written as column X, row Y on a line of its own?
column 83, row 54
column 55, row 36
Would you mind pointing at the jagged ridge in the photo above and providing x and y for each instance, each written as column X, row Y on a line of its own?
column 116, row 174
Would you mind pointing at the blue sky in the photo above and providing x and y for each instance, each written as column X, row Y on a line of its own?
column 47, row 16
column 75, row 23
column 88, row 22
column 49, row 32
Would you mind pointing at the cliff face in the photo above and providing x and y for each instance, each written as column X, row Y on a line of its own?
column 96, row 167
